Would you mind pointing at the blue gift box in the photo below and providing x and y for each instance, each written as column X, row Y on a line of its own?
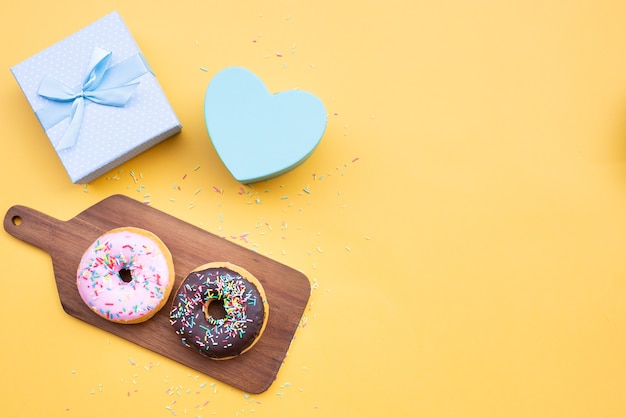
column 96, row 98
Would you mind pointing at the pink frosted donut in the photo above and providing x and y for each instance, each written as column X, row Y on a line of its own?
column 126, row 275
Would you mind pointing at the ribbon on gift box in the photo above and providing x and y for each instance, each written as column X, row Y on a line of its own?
column 104, row 85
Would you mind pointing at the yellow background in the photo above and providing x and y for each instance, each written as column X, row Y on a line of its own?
column 464, row 230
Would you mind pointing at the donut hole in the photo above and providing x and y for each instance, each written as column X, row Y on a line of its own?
column 215, row 309
column 125, row 275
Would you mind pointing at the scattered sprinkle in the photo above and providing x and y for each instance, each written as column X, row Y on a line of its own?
column 203, row 69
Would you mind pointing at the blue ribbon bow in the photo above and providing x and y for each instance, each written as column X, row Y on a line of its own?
column 103, row 85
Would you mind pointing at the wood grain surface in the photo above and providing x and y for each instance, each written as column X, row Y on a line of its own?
column 287, row 290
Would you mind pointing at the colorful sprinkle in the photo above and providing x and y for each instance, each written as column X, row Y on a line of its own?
column 217, row 336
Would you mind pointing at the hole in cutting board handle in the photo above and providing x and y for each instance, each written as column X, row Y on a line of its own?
column 34, row 227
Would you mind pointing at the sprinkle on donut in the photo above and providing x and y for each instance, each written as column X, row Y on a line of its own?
column 219, row 333
column 126, row 275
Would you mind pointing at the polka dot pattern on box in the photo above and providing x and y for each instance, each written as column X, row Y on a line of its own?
column 108, row 135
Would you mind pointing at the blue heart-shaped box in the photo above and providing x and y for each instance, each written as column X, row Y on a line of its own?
column 259, row 135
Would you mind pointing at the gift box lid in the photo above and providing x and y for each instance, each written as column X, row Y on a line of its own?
column 111, row 130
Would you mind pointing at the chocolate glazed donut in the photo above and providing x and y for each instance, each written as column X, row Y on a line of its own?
column 220, row 310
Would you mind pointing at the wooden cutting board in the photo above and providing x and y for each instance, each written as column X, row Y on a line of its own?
column 287, row 290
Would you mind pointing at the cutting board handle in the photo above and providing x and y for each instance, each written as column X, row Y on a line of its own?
column 32, row 226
